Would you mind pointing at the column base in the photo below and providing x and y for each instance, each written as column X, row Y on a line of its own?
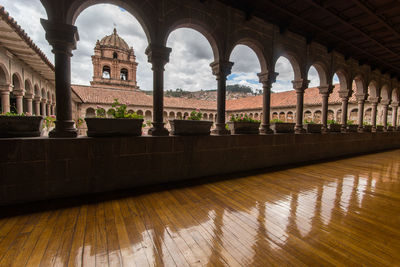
column 324, row 129
column 360, row 129
column 299, row 129
column 343, row 128
column 373, row 129
column 158, row 129
column 265, row 129
column 220, row 129
column 64, row 129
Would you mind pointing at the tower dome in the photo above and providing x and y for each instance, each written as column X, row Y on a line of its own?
column 114, row 41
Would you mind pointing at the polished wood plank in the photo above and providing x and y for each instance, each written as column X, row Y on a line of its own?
column 341, row 212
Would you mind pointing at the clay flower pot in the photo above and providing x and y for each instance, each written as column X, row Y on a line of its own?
column 20, row 126
column 367, row 128
column 312, row 127
column 379, row 128
column 241, row 127
column 282, row 127
column 102, row 127
column 352, row 128
column 190, row 127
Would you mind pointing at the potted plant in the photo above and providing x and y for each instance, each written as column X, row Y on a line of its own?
column 389, row 127
column 48, row 125
column 119, row 123
column 193, row 125
column 279, row 126
column 312, row 127
column 333, row 126
column 367, row 127
column 20, row 125
column 243, row 125
column 351, row 127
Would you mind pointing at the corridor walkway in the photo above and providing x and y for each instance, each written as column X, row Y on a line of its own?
column 344, row 212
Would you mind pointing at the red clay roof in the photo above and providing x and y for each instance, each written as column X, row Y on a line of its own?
column 98, row 95
column 24, row 36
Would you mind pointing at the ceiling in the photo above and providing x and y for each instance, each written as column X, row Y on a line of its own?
column 366, row 30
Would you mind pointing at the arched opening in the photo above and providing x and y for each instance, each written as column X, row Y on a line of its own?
column 124, row 74
column 139, row 112
column 243, row 80
column 331, row 115
column 172, row 115
column 115, row 55
column 308, row 116
column 16, row 82
column 205, row 116
column 314, row 77
column 282, row 116
column 290, row 117
column 211, row 117
column 338, row 116
column 317, row 116
column 3, row 80
column 353, row 116
column 90, row 113
column 274, row 116
column 147, row 115
column 185, row 115
column 28, row 93
column 165, row 116
column 179, row 115
column 367, row 115
column 131, row 111
column 189, row 65
column 284, row 67
column 106, row 72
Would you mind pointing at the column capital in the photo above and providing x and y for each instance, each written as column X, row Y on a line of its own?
column 19, row 93
column 62, row 37
column 325, row 89
column 394, row 104
column 300, row 85
column 221, row 69
column 361, row 97
column 158, row 55
column 44, row 100
column 385, row 102
column 37, row 98
column 374, row 100
column 28, row 95
column 6, row 88
column 267, row 77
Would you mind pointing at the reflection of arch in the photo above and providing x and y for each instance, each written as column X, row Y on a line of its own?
column 90, row 113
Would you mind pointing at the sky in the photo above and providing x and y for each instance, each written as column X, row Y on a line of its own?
column 190, row 58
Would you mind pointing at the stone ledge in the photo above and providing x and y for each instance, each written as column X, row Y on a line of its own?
column 40, row 168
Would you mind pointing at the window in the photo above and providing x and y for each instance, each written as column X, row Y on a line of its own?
column 106, row 72
column 124, row 74
column 115, row 55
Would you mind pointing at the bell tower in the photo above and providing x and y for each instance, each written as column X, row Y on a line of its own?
column 114, row 64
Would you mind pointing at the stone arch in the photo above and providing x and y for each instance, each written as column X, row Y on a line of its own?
column 185, row 115
column 179, row 115
column 343, row 79
column 331, row 114
column 198, row 25
column 147, row 115
column 353, row 114
column 294, row 62
column 37, row 91
column 282, row 116
column 43, row 93
column 4, row 75
column 211, row 117
column 139, row 112
column 171, row 115
column 395, row 95
column 289, row 116
column 322, row 71
column 28, row 86
column 17, row 82
column 90, row 113
column 307, row 114
column 386, row 92
column 256, row 46
column 361, row 88
column 275, row 115
column 137, row 10
column 373, row 89
column 205, row 116
column 317, row 116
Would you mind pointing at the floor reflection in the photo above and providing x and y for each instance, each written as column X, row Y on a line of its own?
column 335, row 213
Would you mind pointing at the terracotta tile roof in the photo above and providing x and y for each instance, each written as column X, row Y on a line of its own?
column 98, row 95
column 24, row 36
column 285, row 99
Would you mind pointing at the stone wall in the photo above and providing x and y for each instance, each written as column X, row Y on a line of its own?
column 42, row 168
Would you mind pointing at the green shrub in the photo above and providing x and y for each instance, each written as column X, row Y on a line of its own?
column 244, row 118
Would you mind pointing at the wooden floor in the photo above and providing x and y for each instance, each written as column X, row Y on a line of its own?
column 345, row 212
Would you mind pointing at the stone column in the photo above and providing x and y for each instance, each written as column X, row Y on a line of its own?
column 300, row 86
column 5, row 97
column 374, row 104
column 158, row 56
column 19, row 101
column 385, row 105
column 43, row 107
column 48, row 111
column 344, row 96
column 28, row 98
column 325, row 91
column 360, row 101
column 63, row 38
column 221, row 69
column 267, row 79
column 36, row 101
column 395, row 106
